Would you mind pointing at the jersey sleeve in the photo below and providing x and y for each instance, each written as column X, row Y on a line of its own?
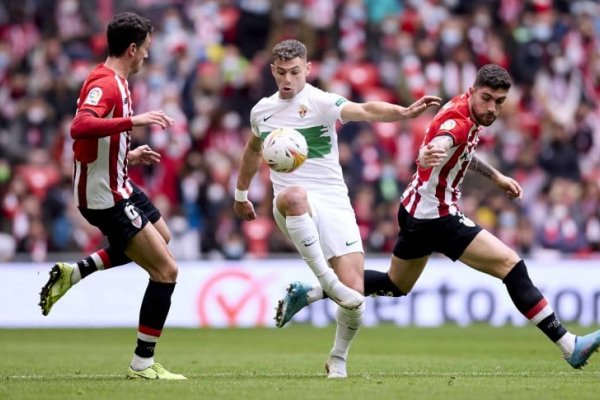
column 254, row 123
column 99, row 97
column 330, row 105
column 456, row 128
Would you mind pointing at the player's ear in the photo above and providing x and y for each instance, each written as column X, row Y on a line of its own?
column 131, row 49
column 308, row 65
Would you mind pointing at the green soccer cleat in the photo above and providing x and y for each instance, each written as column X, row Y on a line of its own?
column 58, row 284
column 294, row 301
column 155, row 371
column 585, row 346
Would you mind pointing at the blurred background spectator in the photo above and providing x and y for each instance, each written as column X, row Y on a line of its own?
column 209, row 64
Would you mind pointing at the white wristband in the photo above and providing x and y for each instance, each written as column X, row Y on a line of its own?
column 240, row 195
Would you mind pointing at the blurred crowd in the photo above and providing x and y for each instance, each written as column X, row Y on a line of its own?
column 209, row 64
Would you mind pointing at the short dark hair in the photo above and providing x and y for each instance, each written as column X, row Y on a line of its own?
column 126, row 28
column 289, row 49
column 493, row 76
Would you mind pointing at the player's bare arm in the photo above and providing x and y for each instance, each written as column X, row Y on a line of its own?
column 381, row 111
column 433, row 153
column 152, row 118
column 250, row 162
column 143, row 155
column 509, row 185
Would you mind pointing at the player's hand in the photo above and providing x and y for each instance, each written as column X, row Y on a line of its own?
column 152, row 118
column 511, row 187
column 431, row 156
column 244, row 210
column 418, row 107
column 143, row 155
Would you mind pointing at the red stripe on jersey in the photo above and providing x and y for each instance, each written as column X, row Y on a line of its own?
column 81, row 186
column 146, row 330
column 440, row 189
column 536, row 309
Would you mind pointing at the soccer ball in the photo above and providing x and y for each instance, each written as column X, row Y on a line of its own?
column 284, row 149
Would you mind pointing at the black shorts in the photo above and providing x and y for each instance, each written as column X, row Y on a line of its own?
column 125, row 219
column 449, row 235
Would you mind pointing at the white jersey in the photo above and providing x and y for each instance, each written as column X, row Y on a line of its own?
column 314, row 114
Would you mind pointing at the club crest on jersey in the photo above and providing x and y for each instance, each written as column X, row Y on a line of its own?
column 448, row 125
column 133, row 215
column 94, row 96
column 302, row 110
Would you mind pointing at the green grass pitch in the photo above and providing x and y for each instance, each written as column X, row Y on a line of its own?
column 386, row 362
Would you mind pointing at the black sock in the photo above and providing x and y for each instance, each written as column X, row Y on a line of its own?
column 87, row 266
column 153, row 314
column 109, row 256
column 531, row 303
column 117, row 257
column 380, row 284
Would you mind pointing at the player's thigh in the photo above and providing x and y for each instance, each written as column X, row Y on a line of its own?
column 149, row 250
column 487, row 253
column 161, row 227
column 350, row 269
column 405, row 273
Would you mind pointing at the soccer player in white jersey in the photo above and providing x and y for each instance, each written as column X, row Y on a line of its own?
column 109, row 200
column 430, row 219
column 311, row 204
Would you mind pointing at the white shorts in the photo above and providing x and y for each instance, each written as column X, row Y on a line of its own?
column 336, row 224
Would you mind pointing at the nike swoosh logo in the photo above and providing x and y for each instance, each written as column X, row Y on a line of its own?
column 265, row 119
column 350, row 243
column 310, row 244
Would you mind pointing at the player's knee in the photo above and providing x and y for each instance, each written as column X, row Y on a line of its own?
column 508, row 263
column 166, row 273
column 293, row 200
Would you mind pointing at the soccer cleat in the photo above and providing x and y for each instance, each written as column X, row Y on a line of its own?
column 336, row 368
column 344, row 296
column 294, row 301
column 58, row 284
column 155, row 371
column 584, row 347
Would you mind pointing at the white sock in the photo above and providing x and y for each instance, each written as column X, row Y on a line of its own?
column 348, row 322
column 303, row 233
column 566, row 344
column 139, row 363
column 314, row 294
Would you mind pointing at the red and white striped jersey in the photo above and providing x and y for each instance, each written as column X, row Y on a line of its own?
column 101, row 141
column 434, row 192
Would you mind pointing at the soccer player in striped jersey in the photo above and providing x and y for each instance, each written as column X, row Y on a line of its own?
column 430, row 220
column 107, row 198
column 311, row 205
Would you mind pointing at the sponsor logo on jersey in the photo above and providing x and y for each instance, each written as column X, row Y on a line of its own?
column 350, row 242
column 448, row 125
column 340, row 101
column 302, row 110
column 93, row 97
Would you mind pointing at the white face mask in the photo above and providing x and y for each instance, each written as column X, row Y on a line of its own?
column 36, row 114
column 452, row 37
column 68, row 7
column 541, row 31
column 560, row 65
